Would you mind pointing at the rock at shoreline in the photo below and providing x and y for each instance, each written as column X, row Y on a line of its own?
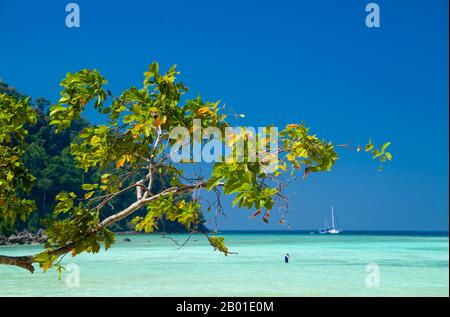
column 24, row 237
column 126, row 240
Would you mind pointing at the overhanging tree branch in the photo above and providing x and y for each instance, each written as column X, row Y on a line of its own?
column 26, row 262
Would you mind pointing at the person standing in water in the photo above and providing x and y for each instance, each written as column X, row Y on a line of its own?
column 286, row 258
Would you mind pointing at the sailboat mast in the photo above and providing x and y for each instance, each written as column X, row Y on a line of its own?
column 332, row 215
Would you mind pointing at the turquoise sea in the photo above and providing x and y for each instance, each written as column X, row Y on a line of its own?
column 320, row 265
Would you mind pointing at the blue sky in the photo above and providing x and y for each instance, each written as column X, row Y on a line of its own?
column 278, row 62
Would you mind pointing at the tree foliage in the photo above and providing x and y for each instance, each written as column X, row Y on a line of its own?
column 14, row 177
column 132, row 151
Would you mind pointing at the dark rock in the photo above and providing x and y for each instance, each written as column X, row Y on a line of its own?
column 41, row 237
column 14, row 239
column 126, row 240
column 24, row 237
column 40, row 232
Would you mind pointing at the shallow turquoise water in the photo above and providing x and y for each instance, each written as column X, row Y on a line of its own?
column 319, row 266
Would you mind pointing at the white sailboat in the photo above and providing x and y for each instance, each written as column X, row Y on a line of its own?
column 333, row 229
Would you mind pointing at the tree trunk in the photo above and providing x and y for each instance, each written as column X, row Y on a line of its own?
column 25, row 262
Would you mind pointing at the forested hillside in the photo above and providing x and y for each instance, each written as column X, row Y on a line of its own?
column 48, row 158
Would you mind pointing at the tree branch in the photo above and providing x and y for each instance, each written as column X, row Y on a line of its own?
column 26, row 262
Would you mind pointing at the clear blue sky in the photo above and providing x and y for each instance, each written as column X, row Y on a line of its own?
column 278, row 62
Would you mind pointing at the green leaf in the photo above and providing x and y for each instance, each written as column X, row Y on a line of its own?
column 105, row 178
column 385, row 146
column 218, row 243
column 213, row 182
column 89, row 186
column 95, row 140
column 88, row 195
